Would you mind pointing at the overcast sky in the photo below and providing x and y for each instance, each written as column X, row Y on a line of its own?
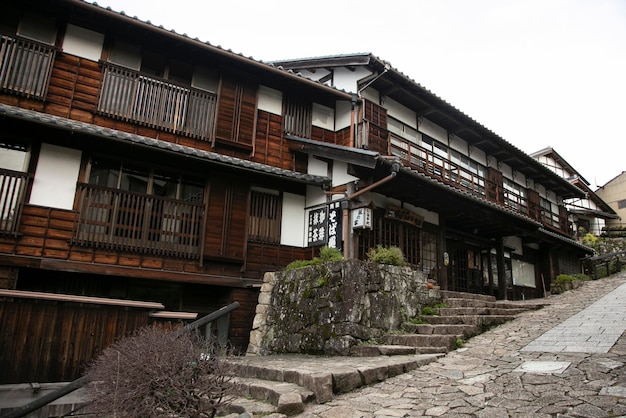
column 539, row 73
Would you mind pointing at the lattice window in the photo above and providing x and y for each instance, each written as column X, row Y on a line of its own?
column 265, row 216
column 298, row 117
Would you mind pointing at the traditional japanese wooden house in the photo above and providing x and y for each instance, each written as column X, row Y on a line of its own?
column 586, row 215
column 463, row 204
column 147, row 176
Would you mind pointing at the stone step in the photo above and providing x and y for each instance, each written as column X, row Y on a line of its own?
column 479, row 311
column 417, row 340
column 464, row 295
column 372, row 350
column 464, row 330
column 477, row 320
column 469, row 303
column 326, row 376
column 253, row 407
column 285, row 396
column 456, row 311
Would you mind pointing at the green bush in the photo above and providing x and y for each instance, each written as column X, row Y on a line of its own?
column 327, row 254
column 382, row 255
column 562, row 278
column 590, row 240
column 330, row 254
column 427, row 310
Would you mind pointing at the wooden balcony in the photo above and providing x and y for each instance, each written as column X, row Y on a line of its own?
column 126, row 221
column 135, row 97
column 25, row 66
column 12, row 192
column 436, row 166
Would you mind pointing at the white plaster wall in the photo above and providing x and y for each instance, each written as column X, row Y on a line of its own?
column 515, row 243
column 345, row 79
column 293, row 225
column 342, row 118
column 15, row 160
column 371, row 95
column 460, row 145
column 126, row 55
column 433, row 130
column 507, row 171
column 479, row 155
column 270, row 100
column 323, row 117
column 401, row 112
column 39, row 28
column 56, row 175
column 205, row 79
column 315, row 196
column 340, row 174
column 317, row 167
column 83, row 42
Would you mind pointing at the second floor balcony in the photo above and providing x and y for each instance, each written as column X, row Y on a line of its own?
column 12, row 193
column 463, row 175
column 136, row 97
column 25, row 66
column 122, row 220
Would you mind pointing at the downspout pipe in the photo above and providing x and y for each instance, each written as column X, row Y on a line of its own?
column 395, row 168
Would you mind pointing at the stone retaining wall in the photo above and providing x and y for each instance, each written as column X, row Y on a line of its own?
column 328, row 309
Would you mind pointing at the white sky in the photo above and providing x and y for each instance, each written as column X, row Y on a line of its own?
column 538, row 73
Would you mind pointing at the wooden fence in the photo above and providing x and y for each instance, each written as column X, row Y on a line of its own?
column 51, row 339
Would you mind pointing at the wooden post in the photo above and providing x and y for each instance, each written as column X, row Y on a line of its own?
column 501, row 268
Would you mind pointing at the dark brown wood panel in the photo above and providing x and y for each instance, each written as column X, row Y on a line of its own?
column 226, row 220
column 61, row 338
column 241, row 318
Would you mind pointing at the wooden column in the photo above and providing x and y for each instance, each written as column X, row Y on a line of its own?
column 501, row 268
column 442, row 248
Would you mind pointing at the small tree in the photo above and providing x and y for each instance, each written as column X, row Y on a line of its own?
column 154, row 373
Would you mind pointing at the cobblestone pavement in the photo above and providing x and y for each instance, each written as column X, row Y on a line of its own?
column 564, row 360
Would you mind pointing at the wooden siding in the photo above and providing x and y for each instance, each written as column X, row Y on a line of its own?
column 236, row 112
column 43, row 341
column 241, row 318
column 226, row 221
column 262, row 258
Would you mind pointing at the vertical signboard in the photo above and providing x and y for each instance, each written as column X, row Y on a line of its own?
column 324, row 226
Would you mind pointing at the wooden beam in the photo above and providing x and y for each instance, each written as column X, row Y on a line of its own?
column 59, row 297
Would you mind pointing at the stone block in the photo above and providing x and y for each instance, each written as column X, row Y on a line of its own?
column 290, row 404
column 346, row 380
column 374, row 374
column 321, row 384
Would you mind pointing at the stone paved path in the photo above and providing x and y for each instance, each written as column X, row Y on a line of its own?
column 565, row 360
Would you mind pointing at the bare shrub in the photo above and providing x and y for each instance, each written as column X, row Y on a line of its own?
column 155, row 373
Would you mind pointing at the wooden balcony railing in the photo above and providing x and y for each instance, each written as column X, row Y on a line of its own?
column 132, row 96
column 120, row 220
column 12, row 192
column 25, row 66
column 436, row 166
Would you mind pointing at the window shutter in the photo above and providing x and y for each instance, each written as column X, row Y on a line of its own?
column 236, row 111
column 226, row 221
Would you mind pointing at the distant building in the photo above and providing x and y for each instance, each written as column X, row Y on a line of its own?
column 614, row 193
column 588, row 214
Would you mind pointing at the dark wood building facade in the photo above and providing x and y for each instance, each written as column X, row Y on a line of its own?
column 148, row 176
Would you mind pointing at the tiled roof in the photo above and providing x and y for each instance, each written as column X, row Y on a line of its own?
column 216, row 48
column 102, row 132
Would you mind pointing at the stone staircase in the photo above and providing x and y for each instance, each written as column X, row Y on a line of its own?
column 463, row 316
column 285, row 383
